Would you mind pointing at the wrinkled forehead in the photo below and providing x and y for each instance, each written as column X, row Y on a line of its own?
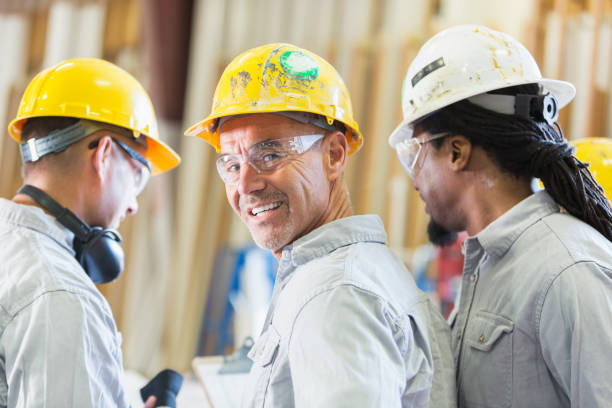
column 240, row 133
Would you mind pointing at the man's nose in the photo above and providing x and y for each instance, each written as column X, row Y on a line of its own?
column 250, row 180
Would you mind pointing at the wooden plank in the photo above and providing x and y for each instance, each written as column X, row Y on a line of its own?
column 537, row 30
column 298, row 31
column 10, row 160
column 595, row 96
column 322, row 37
column 354, row 58
column 238, row 19
column 89, row 22
column 580, row 48
column 122, row 27
column 413, row 210
column 385, row 94
column 602, row 81
column 275, row 20
column 59, row 39
column 14, row 49
column 193, row 191
column 552, row 45
column 36, row 49
column 148, row 270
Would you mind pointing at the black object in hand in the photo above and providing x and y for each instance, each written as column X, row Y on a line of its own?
column 165, row 387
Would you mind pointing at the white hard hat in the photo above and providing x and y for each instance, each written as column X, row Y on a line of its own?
column 464, row 61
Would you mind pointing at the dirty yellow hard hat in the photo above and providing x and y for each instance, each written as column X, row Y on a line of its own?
column 277, row 78
column 94, row 89
column 597, row 151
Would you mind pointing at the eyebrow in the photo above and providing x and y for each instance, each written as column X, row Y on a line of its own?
column 263, row 143
column 267, row 143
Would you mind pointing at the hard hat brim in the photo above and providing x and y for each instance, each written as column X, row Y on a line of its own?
column 161, row 156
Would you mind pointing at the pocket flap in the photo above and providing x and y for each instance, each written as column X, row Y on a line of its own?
column 487, row 329
column 264, row 349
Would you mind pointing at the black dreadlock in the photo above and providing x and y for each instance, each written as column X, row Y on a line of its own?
column 529, row 148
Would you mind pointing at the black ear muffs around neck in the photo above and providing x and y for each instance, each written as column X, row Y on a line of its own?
column 98, row 250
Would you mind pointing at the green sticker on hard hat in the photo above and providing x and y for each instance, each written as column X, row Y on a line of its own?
column 299, row 65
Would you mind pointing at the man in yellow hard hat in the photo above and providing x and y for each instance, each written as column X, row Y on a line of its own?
column 533, row 323
column 347, row 325
column 89, row 142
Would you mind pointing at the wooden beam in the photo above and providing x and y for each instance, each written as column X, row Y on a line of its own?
column 600, row 49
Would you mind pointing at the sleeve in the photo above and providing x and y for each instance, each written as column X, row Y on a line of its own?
column 62, row 351
column 576, row 334
column 343, row 352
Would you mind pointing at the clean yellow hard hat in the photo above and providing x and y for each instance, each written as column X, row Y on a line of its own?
column 94, row 89
column 597, row 151
column 277, row 78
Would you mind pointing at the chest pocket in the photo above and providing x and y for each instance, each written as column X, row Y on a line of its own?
column 486, row 362
column 263, row 354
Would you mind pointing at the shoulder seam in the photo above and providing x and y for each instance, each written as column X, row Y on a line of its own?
column 318, row 293
column 35, row 298
column 547, row 286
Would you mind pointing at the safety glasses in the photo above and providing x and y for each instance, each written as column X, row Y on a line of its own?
column 143, row 168
column 408, row 150
column 265, row 157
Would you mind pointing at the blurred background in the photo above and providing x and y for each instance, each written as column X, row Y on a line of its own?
column 194, row 282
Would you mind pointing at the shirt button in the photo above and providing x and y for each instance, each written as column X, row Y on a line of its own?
column 481, row 339
column 459, row 333
column 472, row 277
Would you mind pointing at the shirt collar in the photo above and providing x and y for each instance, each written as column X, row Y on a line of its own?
column 331, row 236
column 497, row 238
column 34, row 218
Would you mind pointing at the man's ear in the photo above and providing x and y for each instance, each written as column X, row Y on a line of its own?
column 101, row 157
column 460, row 152
column 336, row 147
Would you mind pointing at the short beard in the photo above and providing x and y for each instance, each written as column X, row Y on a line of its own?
column 277, row 241
column 438, row 235
column 281, row 238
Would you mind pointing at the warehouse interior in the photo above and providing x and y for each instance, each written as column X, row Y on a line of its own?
column 186, row 291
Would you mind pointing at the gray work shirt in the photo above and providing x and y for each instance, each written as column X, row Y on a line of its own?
column 348, row 327
column 59, row 346
column 534, row 323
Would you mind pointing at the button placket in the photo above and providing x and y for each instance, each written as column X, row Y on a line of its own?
column 470, row 278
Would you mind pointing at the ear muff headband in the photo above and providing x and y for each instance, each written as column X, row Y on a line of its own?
column 538, row 107
column 98, row 250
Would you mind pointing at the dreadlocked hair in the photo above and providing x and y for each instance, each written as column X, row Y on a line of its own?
column 525, row 147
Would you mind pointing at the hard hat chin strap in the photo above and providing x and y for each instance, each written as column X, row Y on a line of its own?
column 539, row 107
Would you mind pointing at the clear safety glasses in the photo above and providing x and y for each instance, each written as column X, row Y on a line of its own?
column 408, row 151
column 265, row 157
column 143, row 167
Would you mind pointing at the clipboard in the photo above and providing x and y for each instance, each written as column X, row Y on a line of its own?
column 223, row 378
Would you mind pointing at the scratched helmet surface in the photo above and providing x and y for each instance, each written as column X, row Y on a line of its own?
column 465, row 61
column 275, row 78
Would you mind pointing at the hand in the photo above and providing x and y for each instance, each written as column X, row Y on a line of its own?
column 150, row 402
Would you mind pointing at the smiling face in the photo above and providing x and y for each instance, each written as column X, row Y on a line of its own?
column 280, row 206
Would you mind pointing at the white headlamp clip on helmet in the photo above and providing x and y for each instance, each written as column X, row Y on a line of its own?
column 466, row 62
